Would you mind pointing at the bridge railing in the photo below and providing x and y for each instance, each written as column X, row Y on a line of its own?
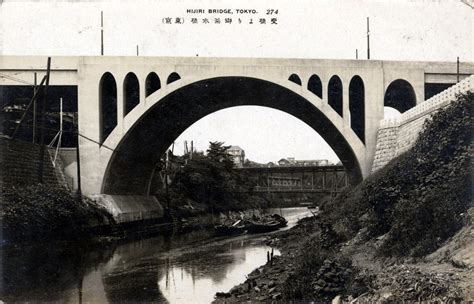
column 439, row 100
column 432, row 104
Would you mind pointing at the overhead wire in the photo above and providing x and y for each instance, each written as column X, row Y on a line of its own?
column 2, row 75
column 74, row 132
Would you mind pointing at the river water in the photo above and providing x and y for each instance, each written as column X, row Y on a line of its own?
column 187, row 268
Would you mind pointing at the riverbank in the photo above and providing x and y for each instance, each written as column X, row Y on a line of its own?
column 35, row 215
column 403, row 234
column 39, row 213
column 352, row 271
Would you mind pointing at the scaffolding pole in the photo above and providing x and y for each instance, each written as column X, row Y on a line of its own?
column 59, row 135
column 43, row 108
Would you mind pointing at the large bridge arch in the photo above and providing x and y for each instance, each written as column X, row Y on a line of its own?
column 148, row 133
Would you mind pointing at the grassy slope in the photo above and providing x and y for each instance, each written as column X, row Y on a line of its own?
column 418, row 199
column 35, row 212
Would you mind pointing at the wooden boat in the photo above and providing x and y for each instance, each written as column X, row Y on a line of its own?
column 227, row 230
column 280, row 219
column 257, row 225
column 261, row 227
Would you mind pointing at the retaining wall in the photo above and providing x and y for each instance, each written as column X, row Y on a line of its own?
column 397, row 136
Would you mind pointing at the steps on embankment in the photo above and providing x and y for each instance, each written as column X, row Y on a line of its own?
column 19, row 164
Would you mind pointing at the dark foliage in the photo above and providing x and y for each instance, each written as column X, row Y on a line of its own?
column 211, row 181
column 321, row 273
column 418, row 198
column 37, row 211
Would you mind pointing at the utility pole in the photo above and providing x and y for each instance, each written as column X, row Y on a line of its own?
column 101, row 33
column 34, row 110
column 368, row 39
column 43, row 108
column 357, row 54
column 137, row 51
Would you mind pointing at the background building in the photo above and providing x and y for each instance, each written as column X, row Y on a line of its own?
column 238, row 155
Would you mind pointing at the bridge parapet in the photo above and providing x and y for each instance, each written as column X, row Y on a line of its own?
column 438, row 101
column 396, row 136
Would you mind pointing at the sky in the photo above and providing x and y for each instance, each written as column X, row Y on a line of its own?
column 400, row 30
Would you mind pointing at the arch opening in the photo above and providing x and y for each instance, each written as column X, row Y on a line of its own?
column 152, row 84
column 315, row 86
column 335, row 94
column 131, row 165
column 391, row 113
column 173, row 77
column 357, row 106
column 400, row 95
column 108, row 105
column 295, row 79
column 269, row 141
column 131, row 93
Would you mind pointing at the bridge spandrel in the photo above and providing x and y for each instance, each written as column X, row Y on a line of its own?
column 194, row 71
column 86, row 72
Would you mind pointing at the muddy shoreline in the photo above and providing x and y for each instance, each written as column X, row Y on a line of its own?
column 351, row 272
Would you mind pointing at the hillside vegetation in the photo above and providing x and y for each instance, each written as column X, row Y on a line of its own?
column 38, row 212
column 418, row 200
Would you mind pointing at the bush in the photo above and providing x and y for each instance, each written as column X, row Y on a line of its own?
column 320, row 275
column 37, row 211
column 440, row 163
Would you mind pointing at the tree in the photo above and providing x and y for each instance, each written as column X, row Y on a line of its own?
column 211, row 180
column 217, row 152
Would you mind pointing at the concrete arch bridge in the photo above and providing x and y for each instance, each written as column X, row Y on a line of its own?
column 135, row 107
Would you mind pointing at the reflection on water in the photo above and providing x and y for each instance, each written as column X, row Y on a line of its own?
column 165, row 269
column 210, row 271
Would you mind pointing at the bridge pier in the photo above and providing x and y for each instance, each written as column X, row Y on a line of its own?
column 345, row 103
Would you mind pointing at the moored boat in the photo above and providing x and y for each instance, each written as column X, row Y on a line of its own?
column 264, row 224
column 227, row 230
column 280, row 219
column 256, row 227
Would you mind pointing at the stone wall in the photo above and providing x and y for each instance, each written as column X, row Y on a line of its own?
column 397, row 136
column 19, row 163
